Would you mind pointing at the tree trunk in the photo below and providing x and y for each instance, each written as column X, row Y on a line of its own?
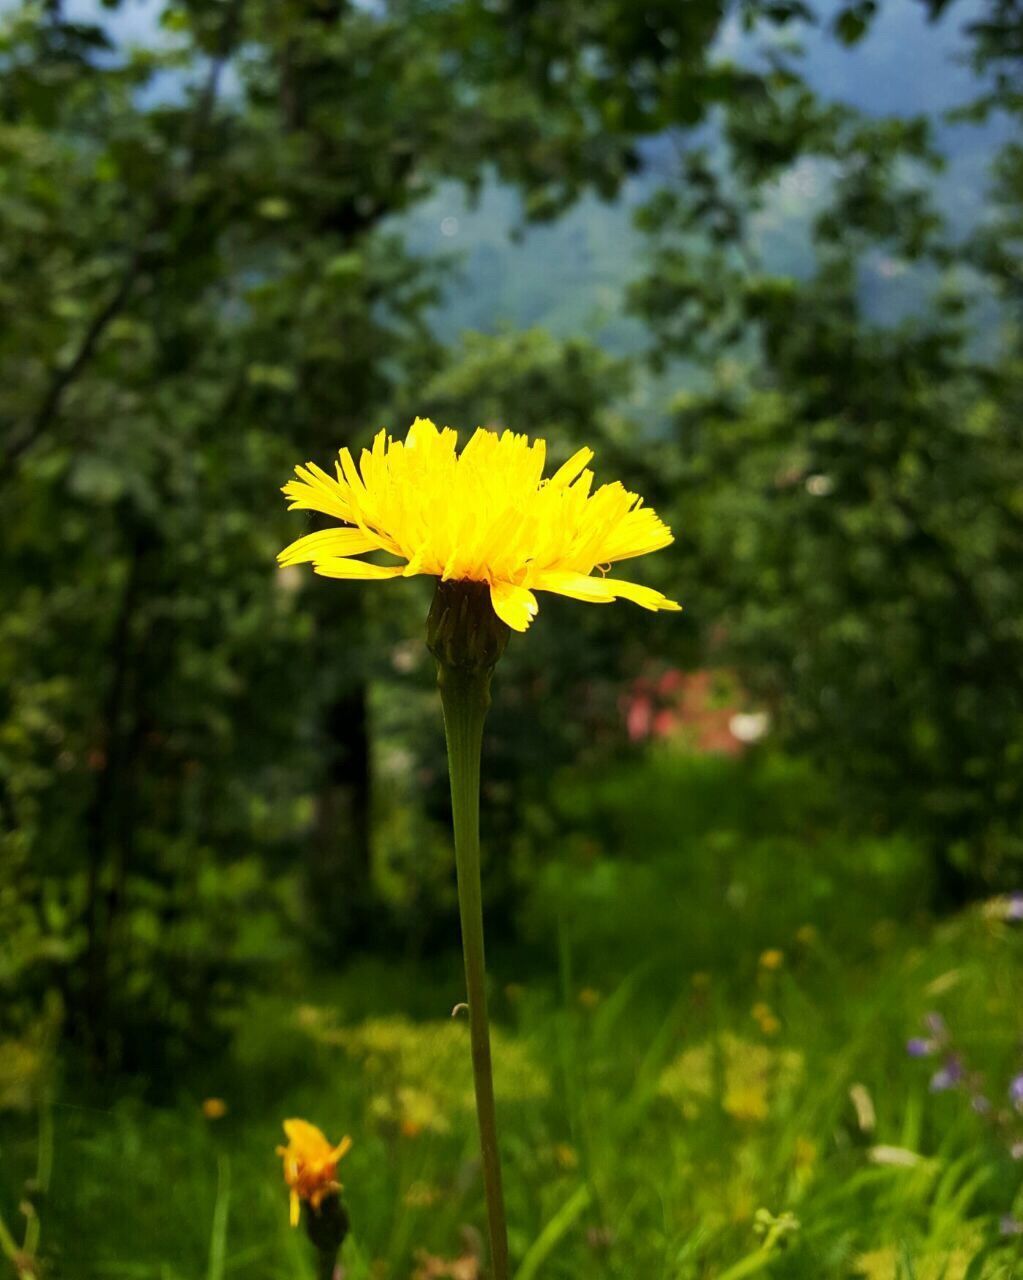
column 107, row 822
column 340, row 871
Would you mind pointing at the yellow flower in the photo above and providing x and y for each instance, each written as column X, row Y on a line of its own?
column 772, row 959
column 804, row 1155
column 214, row 1108
column 566, row 1155
column 310, row 1164
column 765, row 1018
column 483, row 515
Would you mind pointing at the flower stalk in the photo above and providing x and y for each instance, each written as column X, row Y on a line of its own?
column 467, row 639
column 327, row 1228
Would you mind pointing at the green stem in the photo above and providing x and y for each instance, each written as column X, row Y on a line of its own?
column 326, row 1264
column 10, row 1249
column 465, row 694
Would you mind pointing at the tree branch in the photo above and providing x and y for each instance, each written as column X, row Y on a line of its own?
column 63, row 377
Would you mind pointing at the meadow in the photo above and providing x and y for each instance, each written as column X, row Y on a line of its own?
column 747, row 272
column 702, row 1071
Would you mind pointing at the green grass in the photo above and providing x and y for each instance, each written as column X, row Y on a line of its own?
column 671, row 1106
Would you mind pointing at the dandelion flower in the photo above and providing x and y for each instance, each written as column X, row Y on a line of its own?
column 310, row 1164
column 493, row 531
column 484, row 515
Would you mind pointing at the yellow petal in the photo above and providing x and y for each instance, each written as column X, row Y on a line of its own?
column 314, row 490
column 579, row 586
column 342, row 1148
column 640, row 533
column 301, row 1131
column 327, row 543
column 568, row 471
column 295, row 1208
column 596, row 590
column 645, row 597
column 340, row 567
column 515, row 606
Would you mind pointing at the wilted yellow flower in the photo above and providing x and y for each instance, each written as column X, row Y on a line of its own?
column 310, row 1164
column 483, row 515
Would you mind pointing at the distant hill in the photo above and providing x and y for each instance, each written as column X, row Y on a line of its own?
column 570, row 276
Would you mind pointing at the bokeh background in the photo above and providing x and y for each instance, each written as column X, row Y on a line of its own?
column 764, row 256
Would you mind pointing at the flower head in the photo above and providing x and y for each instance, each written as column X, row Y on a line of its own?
column 948, row 1076
column 483, row 515
column 310, row 1164
column 918, row 1047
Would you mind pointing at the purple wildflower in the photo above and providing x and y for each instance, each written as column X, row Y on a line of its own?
column 1016, row 1091
column 948, row 1076
column 1014, row 907
column 980, row 1104
column 918, row 1047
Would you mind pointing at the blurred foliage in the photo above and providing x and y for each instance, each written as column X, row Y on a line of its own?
column 215, row 294
column 209, row 768
column 851, row 488
column 675, row 1132
column 219, row 781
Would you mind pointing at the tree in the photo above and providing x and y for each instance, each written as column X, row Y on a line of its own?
column 855, row 481
column 201, row 288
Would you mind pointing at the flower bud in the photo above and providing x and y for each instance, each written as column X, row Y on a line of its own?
column 327, row 1227
column 463, row 632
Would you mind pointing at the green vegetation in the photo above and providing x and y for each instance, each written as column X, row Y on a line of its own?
column 703, row 1047
column 788, row 312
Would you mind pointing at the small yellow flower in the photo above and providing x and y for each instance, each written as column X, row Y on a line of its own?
column 765, row 1019
column 566, row 1156
column 214, row 1108
column 310, row 1164
column 589, row 997
column 483, row 515
column 421, row 1195
column 772, row 959
column 747, row 1101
